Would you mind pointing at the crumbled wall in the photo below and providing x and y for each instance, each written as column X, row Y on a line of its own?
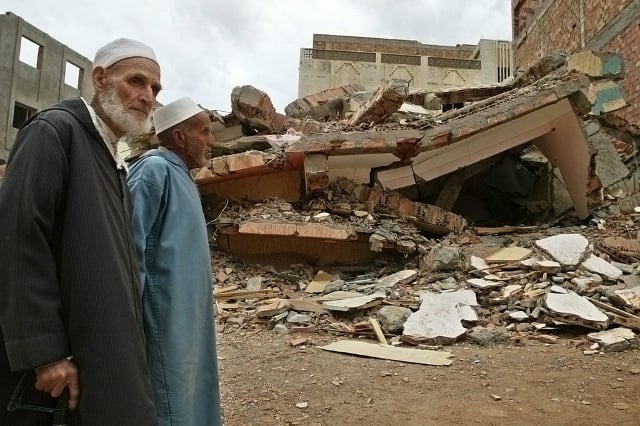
column 543, row 27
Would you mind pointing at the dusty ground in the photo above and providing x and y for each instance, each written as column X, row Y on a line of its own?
column 263, row 378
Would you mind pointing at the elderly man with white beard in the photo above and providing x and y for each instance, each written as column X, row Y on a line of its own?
column 70, row 297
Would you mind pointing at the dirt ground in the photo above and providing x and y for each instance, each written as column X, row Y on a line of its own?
column 263, row 378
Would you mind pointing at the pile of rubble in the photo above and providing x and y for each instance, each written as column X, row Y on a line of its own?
column 511, row 286
column 375, row 214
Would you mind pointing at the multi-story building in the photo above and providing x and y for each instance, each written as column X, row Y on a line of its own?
column 543, row 27
column 369, row 62
column 36, row 71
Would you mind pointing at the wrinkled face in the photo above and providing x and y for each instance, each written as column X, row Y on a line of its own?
column 197, row 141
column 126, row 93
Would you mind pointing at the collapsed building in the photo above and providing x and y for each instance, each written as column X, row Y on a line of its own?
column 393, row 204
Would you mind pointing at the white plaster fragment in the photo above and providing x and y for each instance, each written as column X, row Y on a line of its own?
column 440, row 315
column 574, row 305
column 600, row 266
column 568, row 249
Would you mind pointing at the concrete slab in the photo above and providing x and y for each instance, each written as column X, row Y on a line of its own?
column 614, row 340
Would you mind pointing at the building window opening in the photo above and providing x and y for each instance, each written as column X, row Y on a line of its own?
column 73, row 75
column 30, row 53
column 21, row 113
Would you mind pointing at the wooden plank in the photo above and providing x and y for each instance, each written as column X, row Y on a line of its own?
column 225, row 289
column 485, row 230
column 393, row 353
column 247, row 294
column 378, row 330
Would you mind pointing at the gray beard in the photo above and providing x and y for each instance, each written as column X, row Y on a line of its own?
column 114, row 109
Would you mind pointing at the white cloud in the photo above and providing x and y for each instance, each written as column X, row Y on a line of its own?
column 206, row 48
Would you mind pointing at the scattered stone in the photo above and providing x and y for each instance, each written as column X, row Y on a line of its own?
column 254, row 283
column 392, row 318
column 447, row 284
column 489, row 336
column 280, row 329
column 518, row 316
column 634, row 371
column 545, row 338
column 614, row 340
column 496, row 397
column 620, row 405
column 296, row 318
column 444, row 259
column 625, row 268
column 558, row 289
column 302, row 405
column 336, row 285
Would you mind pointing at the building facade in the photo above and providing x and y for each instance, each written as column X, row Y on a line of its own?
column 369, row 62
column 543, row 27
column 36, row 71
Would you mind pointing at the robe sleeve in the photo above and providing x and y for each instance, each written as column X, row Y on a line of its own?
column 146, row 183
column 31, row 199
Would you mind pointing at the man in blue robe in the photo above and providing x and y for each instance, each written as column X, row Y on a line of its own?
column 172, row 243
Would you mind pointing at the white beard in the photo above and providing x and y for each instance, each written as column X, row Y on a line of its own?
column 115, row 110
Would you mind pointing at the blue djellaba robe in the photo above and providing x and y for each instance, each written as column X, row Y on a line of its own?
column 171, row 239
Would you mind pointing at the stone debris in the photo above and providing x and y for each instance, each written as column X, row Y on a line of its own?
column 357, row 206
column 392, row 318
column 614, row 340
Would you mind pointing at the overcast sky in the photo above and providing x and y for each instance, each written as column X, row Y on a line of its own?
column 206, row 48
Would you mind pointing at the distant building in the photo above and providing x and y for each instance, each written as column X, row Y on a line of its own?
column 36, row 71
column 543, row 27
column 338, row 60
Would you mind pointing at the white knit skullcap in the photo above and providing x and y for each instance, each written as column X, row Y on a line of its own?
column 174, row 113
column 122, row 48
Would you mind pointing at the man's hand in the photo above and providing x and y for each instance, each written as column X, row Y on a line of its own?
column 54, row 378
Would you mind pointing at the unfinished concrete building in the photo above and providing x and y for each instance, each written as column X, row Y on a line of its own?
column 336, row 61
column 36, row 71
